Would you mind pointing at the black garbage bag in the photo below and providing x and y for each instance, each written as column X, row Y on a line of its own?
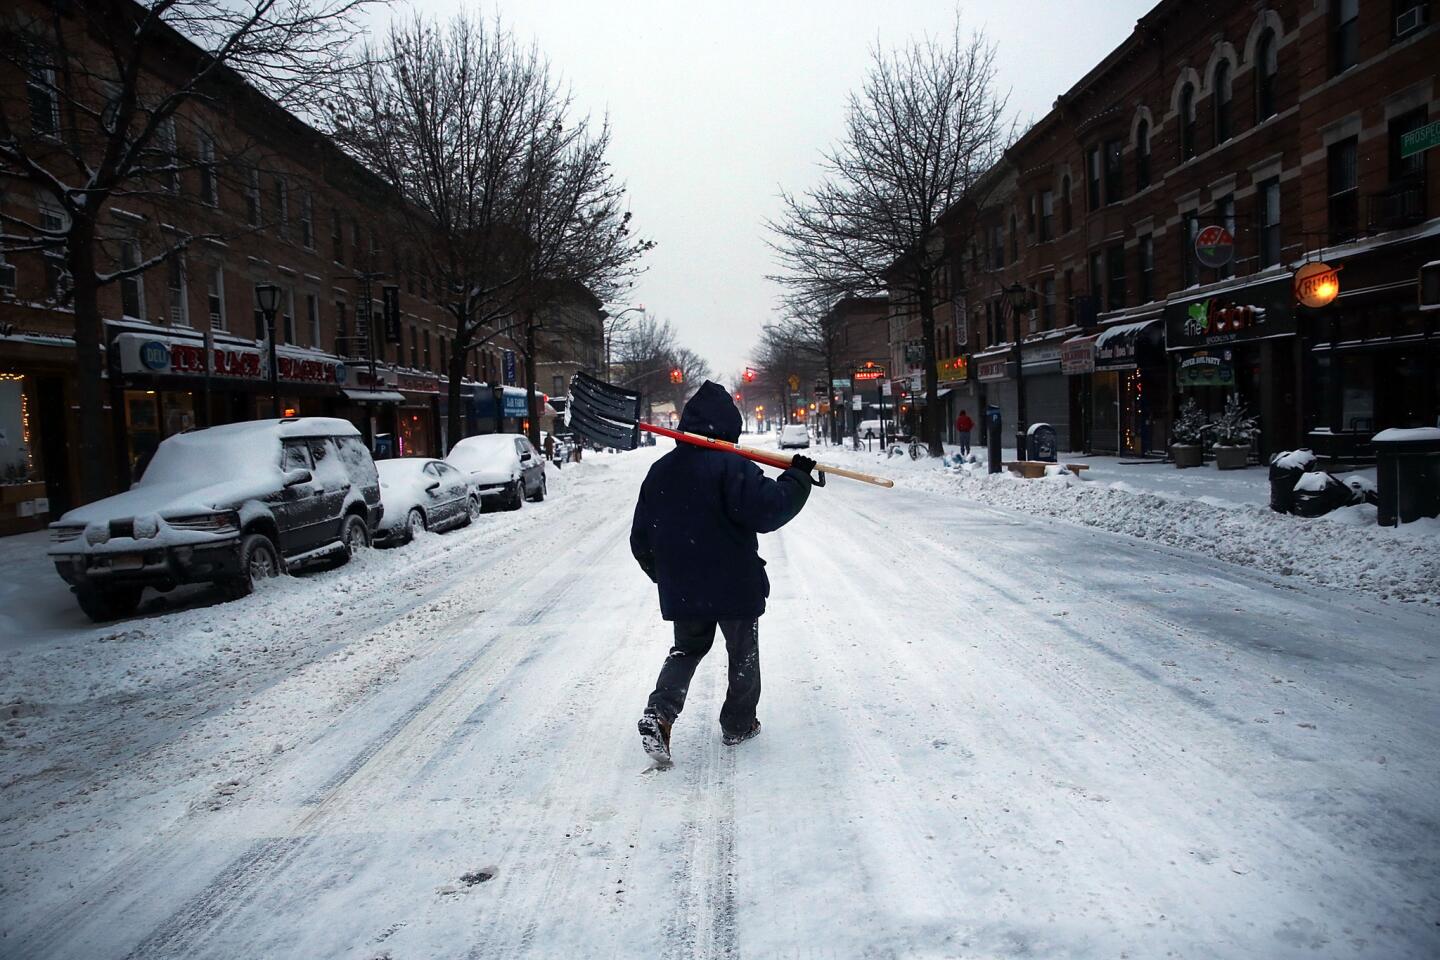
column 1285, row 469
column 1316, row 494
column 1361, row 490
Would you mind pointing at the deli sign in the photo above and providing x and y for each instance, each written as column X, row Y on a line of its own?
column 171, row 357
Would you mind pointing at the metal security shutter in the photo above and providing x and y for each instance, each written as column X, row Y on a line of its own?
column 1047, row 400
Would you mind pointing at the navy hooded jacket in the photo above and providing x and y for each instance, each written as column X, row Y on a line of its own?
column 698, row 514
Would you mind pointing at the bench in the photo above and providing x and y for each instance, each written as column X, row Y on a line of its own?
column 1032, row 469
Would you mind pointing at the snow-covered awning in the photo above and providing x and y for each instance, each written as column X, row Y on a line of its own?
column 1116, row 347
column 374, row 396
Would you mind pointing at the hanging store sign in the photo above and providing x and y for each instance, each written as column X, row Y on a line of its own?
column 1251, row 311
column 171, row 357
column 508, row 360
column 1077, row 356
column 1214, row 246
column 840, row 383
column 1316, row 285
column 956, row 368
column 996, row 368
column 870, row 372
column 1206, row 368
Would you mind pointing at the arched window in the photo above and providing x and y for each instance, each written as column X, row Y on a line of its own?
column 1065, row 204
column 1222, row 95
column 1187, row 123
column 1267, row 65
column 1142, row 155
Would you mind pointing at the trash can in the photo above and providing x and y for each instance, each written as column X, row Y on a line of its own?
column 1407, row 466
column 1042, row 443
column 1285, row 469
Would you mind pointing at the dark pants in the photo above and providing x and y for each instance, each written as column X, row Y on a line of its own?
column 964, row 442
column 693, row 639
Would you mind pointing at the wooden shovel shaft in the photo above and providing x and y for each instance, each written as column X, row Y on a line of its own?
column 760, row 456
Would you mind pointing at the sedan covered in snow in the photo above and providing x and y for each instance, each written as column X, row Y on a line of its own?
column 794, row 435
column 230, row 504
column 422, row 494
column 502, row 468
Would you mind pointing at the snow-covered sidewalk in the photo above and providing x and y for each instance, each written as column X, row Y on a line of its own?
column 1225, row 515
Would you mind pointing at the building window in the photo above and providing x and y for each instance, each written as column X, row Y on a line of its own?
column 282, row 208
column 166, row 159
column 307, row 220
column 337, row 238
column 1014, row 238
column 1187, row 123
column 997, row 247
column 1092, row 177
column 1069, row 298
column 209, row 184
column 1097, row 276
column 1225, row 213
column 287, row 304
column 343, row 347
column 1047, row 215
column 1114, row 172
column 132, row 288
column 215, row 297
column 1268, row 216
column 175, row 290
column 427, row 350
column 1222, row 96
column 1145, row 261
column 1065, row 213
column 1115, row 259
column 252, row 198
column 1142, row 155
column 7, row 277
column 1047, row 303
column 1267, row 65
column 1402, row 202
column 1344, row 35
column 1344, row 203
column 443, row 345
column 1189, row 230
column 44, row 99
column 414, row 346
column 312, row 317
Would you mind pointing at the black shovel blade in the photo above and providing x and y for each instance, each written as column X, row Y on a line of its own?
column 599, row 430
column 600, row 399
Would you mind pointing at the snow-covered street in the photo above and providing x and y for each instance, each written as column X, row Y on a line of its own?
column 986, row 734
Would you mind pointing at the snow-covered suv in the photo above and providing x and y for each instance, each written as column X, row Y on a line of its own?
column 231, row 504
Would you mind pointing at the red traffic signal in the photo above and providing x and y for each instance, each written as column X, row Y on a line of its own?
column 677, row 375
column 749, row 375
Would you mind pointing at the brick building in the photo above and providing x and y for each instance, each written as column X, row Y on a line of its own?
column 1280, row 123
column 860, row 334
column 279, row 204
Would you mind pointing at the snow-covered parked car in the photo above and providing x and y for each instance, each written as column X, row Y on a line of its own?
column 230, row 504
column 422, row 494
column 870, row 429
column 794, row 435
column 502, row 468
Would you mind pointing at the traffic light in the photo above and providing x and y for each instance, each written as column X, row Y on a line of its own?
column 749, row 375
column 739, row 399
column 677, row 375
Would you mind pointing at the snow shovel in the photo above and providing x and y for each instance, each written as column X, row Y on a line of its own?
column 610, row 416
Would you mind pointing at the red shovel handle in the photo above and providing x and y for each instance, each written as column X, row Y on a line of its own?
column 759, row 456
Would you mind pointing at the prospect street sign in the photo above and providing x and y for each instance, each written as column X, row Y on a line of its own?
column 1419, row 140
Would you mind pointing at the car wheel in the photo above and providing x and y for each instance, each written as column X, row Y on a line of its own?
column 258, row 561
column 415, row 524
column 472, row 510
column 354, row 537
column 517, row 495
column 544, row 488
column 109, row 603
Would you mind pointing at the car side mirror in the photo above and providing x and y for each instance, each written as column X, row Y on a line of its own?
column 293, row 478
column 433, row 486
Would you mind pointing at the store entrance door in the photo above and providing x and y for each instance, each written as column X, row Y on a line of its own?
column 54, row 443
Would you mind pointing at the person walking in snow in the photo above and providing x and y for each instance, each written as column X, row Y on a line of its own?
column 963, row 426
column 694, row 535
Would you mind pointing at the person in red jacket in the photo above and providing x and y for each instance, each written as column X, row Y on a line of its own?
column 963, row 426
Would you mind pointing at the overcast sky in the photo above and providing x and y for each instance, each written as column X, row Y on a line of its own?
column 715, row 105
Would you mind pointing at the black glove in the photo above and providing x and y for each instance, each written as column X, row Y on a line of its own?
column 804, row 464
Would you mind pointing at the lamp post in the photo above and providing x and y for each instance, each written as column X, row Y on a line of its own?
column 267, row 297
column 609, row 335
column 1019, row 299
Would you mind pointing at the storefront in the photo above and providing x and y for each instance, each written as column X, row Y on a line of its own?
column 1077, row 363
column 415, row 429
column 995, row 376
column 1129, row 413
column 37, row 476
column 1240, row 339
column 1372, row 356
column 1047, row 395
column 160, row 386
column 958, row 393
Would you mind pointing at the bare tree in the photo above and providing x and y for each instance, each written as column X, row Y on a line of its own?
column 924, row 127
column 114, row 94
column 693, row 369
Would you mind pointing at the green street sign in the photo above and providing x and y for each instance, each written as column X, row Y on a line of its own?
column 1420, row 139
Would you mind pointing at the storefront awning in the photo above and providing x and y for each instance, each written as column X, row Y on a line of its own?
column 374, row 396
column 1116, row 348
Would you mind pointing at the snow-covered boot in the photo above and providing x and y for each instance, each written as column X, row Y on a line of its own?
column 733, row 738
column 655, row 737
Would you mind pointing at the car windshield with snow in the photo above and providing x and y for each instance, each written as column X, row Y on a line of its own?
column 230, row 504
column 418, row 494
column 503, row 469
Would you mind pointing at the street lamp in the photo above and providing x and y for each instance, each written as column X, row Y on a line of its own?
column 267, row 298
column 610, row 336
column 1020, row 300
